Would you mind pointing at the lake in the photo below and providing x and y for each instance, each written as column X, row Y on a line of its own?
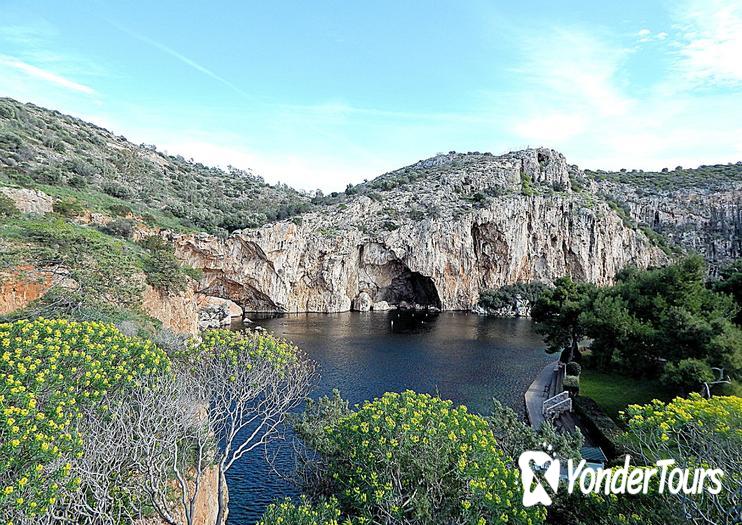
column 460, row 356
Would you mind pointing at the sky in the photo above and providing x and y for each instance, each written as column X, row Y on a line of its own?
column 324, row 93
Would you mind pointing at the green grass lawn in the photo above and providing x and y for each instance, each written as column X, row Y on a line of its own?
column 614, row 392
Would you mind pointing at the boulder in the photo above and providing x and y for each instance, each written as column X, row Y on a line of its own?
column 29, row 201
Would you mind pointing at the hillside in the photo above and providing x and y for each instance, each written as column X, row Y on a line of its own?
column 65, row 156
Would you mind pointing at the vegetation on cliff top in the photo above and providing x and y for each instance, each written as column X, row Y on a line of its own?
column 708, row 177
column 61, row 155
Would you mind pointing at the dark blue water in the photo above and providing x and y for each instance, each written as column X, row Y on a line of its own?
column 463, row 357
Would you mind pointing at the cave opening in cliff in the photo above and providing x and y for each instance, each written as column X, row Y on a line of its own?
column 412, row 289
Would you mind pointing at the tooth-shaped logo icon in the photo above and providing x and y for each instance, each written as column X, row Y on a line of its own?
column 537, row 467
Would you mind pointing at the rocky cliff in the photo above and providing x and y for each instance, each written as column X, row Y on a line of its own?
column 441, row 231
column 706, row 220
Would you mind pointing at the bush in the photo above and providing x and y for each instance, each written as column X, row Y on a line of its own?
column 163, row 271
column 10, row 141
column 119, row 228
column 50, row 371
column 687, row 374
column 305, row 513
column 573, row 369
column 68, row 207
column 76, row 181
column 47, row 175
column 7, row 207
column 693, row 431
column 526, row 184
column 120, row 210
column 116, row 190
column 572, row 384
column 414, row 458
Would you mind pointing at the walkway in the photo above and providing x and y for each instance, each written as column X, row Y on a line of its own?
column 547, row 384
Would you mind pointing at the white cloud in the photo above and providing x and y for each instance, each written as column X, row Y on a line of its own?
column 43, row 74
column 299, row 171
column 710, row 47
column 575, row 94
column 576, row 64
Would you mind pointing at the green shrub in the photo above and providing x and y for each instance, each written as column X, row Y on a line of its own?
column 163, row 269
column 194, row 273
column 68, row 207
column 48, row 175
column 119, row 228
column 572, row 384
column 414, row 458
column 573, row 368
column 75, row 181
column 526, row 184
column 120, row 210
column 10, row 141
column 686, row 374
column 305, row 513
column 116, row 190
column 7, row 207
column 416, row 215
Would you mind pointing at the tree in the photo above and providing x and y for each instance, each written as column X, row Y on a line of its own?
column 695, row 432
column 557, row 315
column 96, row 427
column 687, row 374
column 663, row 314
column 249, row 382
column 146, row 440
column 52, row 374
column 730, row 282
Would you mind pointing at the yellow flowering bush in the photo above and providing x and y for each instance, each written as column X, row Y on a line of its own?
column 720, row 416
column 697, row 433
column 416, row 458
column 50, row 370
column 241, row 348
column 304, row 513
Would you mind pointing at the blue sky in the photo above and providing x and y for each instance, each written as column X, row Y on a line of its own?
column 319, row 94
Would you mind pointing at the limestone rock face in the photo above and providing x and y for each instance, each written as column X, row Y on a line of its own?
column 29, row 201
column 372, row 251
column 703, row 220
column 177, row 311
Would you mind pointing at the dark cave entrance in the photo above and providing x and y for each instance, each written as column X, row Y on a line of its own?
column 411, row 288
